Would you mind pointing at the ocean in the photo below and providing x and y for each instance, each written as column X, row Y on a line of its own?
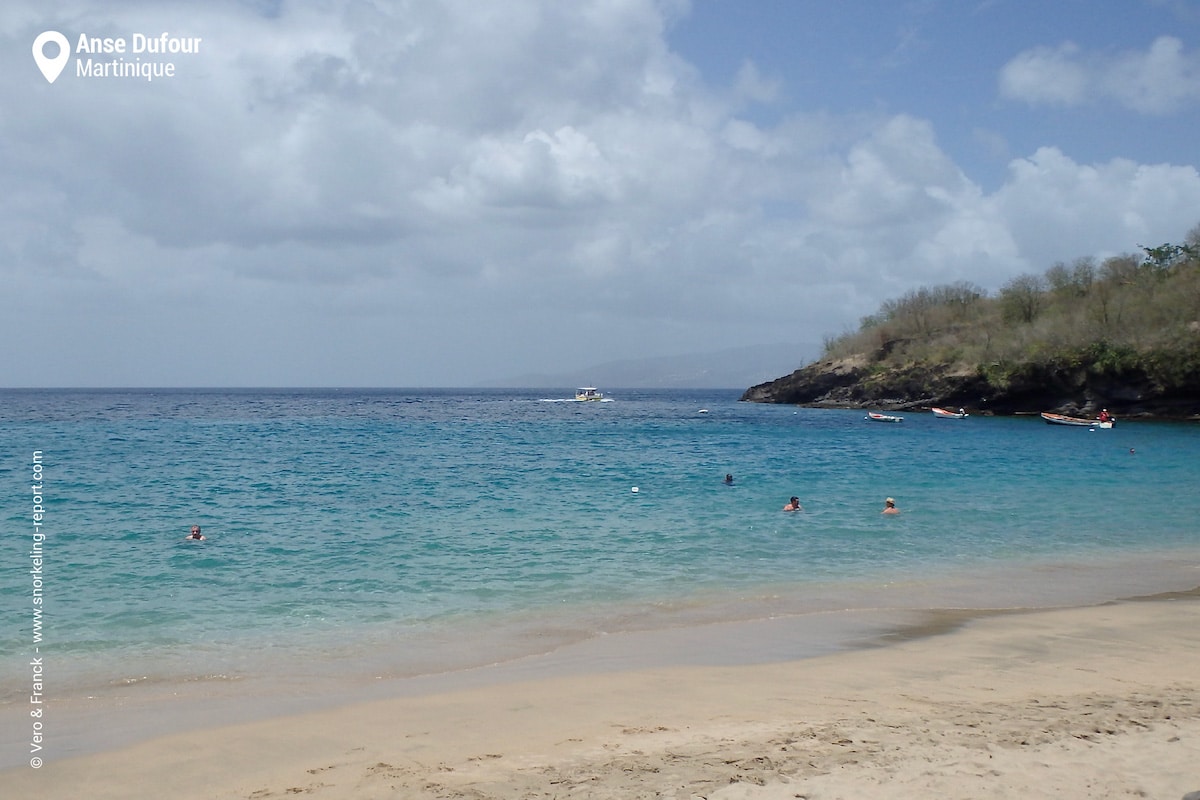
column 374, row 534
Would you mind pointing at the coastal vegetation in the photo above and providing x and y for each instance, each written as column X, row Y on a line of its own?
column 1123, row 333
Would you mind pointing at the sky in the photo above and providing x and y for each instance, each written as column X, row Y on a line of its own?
column 447, row 193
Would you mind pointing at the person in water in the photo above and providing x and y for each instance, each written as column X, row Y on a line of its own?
column 793, row 505
column 195, row 534
column 728, row 480
column 889, row 507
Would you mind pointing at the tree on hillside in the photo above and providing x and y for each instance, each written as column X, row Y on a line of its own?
column 1021, row 298
column 1143, row 307
column 1120, row 269
column 1074, row 281
column 1166, row 256
column 1083, row 275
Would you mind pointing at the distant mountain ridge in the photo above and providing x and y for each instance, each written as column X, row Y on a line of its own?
column 734, row 368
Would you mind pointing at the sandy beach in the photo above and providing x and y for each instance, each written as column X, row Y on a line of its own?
column 1098, row 702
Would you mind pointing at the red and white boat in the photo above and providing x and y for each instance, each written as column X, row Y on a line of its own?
column 877, row 417
column 1079, row 422
column 943, row 413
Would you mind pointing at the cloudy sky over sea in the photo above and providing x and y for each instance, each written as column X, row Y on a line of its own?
column 443, row 193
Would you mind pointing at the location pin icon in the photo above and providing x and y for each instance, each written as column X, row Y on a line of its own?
column 51, row 67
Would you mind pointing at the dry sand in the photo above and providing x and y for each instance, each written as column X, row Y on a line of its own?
column 1097, row 702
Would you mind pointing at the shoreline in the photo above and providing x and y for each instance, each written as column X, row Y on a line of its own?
column 766, row 629
column 129, row 713
column 1046, row 703
column 924, row 406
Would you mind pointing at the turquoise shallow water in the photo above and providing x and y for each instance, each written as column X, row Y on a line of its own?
column 408, row 531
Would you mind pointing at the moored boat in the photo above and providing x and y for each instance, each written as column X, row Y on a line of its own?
column 877, row 417
column 1078, row 422
column 943, row 413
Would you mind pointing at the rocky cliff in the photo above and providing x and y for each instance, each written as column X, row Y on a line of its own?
column 1080, row 389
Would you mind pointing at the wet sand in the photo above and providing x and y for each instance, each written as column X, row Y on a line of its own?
column 1096, row 702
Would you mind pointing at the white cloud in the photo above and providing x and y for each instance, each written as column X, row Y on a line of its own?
column 754, row 86
column 1046, row 75
column 1059, row 209
column 430, row 193
column 1164, row 79
column 896, row 175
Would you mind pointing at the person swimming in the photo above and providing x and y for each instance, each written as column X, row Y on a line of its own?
column 195, row 535
column 728, row 480
column 793, row 505
column 889, row 507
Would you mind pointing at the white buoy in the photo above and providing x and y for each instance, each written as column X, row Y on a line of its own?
column 635, row 490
